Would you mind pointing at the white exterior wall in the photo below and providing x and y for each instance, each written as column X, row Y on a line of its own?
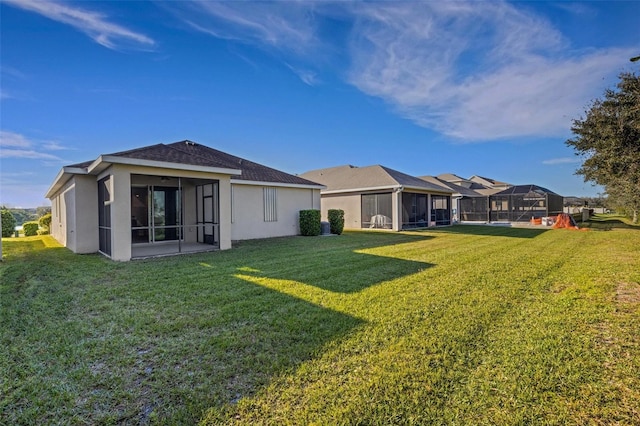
column 248, row 221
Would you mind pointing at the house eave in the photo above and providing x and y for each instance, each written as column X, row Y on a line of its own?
column 62, row 178
column 278, row 184
column 430, row 190
column 104, row 161
column 386, row 188
column 363, row 189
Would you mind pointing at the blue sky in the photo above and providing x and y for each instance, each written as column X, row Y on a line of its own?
column 486, row 88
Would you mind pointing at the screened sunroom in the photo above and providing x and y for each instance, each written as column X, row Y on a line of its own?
column 520, row 203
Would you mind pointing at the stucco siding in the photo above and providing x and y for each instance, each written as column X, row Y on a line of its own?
column 74, row 210
column 248, row 211
column 58, row 215
column 86, row 215
column 351, row 204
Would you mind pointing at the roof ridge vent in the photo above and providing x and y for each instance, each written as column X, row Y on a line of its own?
column 190, row 143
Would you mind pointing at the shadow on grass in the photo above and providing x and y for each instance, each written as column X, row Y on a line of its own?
column 343, row 268
column 263, row 334
column 492, row 230
column 159, row 341
column 607, row 224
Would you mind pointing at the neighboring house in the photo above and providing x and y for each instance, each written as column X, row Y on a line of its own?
column 175, row 198
column 480, row 199
column 471, row 196
column 380, row 197
column 521, row 203
column 489, row 183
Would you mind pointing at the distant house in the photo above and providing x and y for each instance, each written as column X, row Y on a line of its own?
column 520, row 203
column 175, row 198
column 377, row 197
column 471, row 196
column 481, row 199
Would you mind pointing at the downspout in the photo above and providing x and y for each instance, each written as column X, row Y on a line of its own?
column 396, row 220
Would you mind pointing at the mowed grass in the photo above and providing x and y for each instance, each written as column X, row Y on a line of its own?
column 460, row 325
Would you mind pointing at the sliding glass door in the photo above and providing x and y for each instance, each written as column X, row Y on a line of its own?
column 155, row 214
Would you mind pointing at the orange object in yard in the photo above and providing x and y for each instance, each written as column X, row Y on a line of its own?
column 536, row 221
column 565, row 220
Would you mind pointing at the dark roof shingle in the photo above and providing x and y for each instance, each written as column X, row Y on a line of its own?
column 191, row 153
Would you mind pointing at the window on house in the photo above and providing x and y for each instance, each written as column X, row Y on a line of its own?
column 269, row 195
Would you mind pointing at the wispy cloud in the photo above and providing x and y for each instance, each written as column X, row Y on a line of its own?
column 473, row 71
column 282, row 25
column 562, row 160
column 13, row 140
column 27, row 153
column 15, row 145
column 308, row 77
column 94, row 24
column 54, row 146
column 523, row 83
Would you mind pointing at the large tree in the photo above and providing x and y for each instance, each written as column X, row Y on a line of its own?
column 608, row 139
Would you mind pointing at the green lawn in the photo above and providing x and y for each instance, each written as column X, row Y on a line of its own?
column 460, row 325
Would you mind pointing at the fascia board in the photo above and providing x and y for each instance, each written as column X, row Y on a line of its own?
column 63, row 177
column 366, row 189
column 278, row 184
column 438, row 190
column 98, row 165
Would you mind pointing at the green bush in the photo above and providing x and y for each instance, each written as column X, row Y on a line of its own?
column 336, row 220
column 8, row 223
column 310, row 223
column 45, row 224
column 30, row 229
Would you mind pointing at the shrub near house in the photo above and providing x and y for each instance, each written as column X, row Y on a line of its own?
column 336, row 220
column 30, row 229
column 310, row 223
column 45, row 224
column 8, row 223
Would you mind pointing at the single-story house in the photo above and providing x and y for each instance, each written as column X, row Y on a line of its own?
column 380, row 197
column 173, row 198
column 470, row 196
column 521, row 203
column 481, row 199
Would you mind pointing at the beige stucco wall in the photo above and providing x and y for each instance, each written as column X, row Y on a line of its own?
column 120, row 210
column 58, row 224
column 86, row 232
column 248, row 211
column 351, row 204
column 74, row 215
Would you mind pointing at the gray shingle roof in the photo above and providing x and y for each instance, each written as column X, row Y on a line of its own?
column 348, row 178
column 250, row 171
column 191, row 153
